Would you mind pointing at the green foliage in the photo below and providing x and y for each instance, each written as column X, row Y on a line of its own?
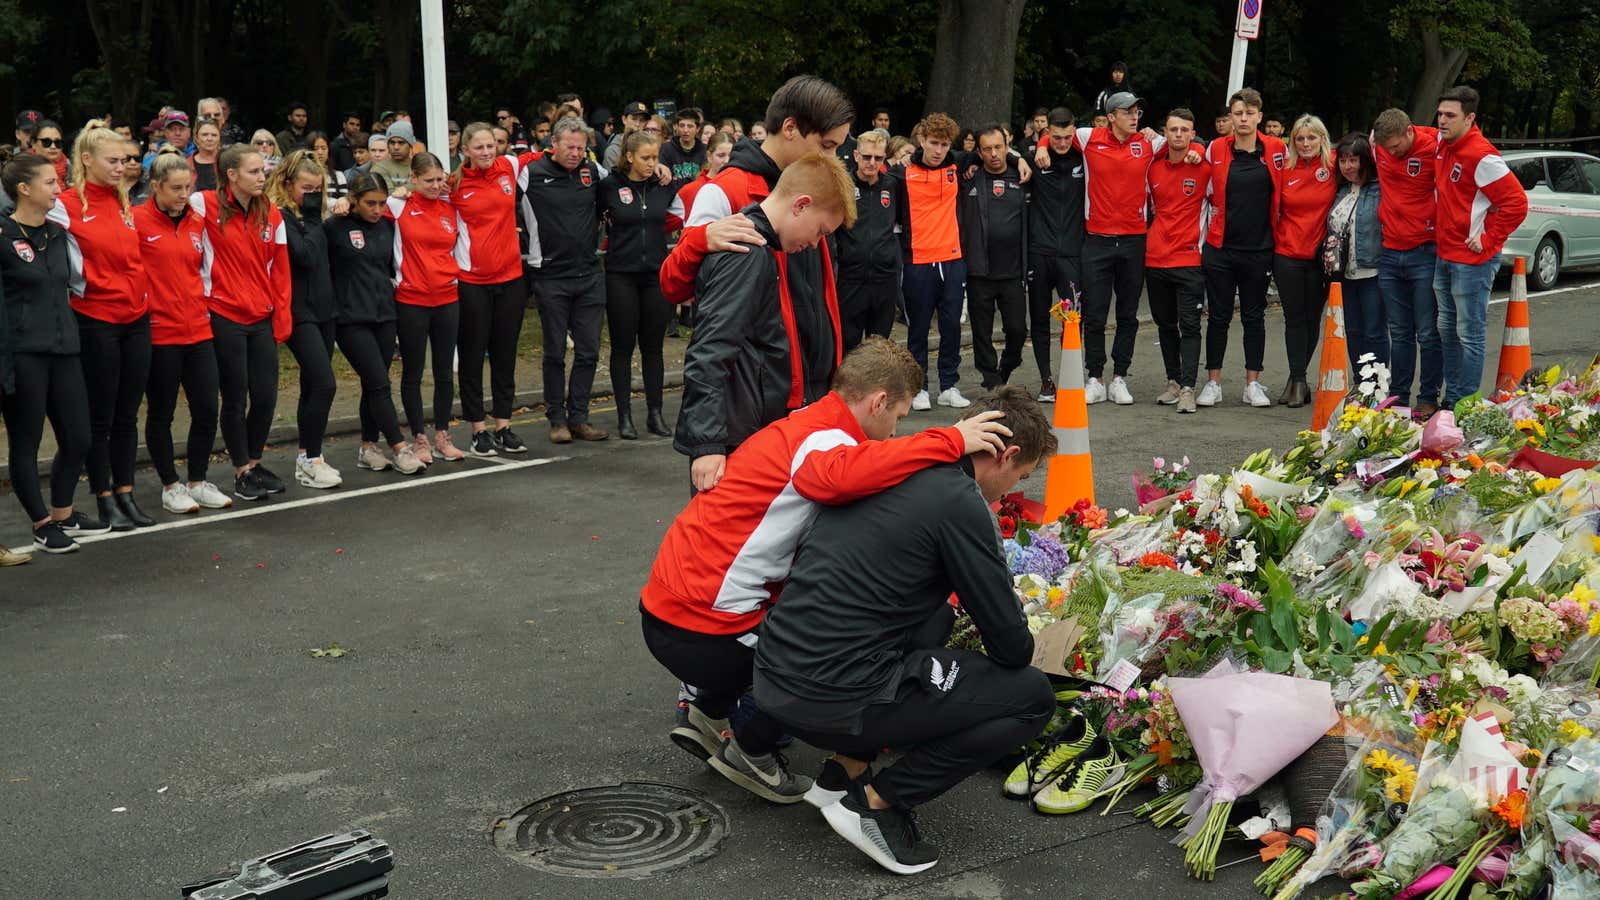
column 1493, row 32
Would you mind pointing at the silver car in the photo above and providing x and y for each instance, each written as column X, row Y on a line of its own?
column 1562, row 230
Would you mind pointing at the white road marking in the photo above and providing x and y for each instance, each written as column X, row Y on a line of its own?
column 1552, row 292
column 333, row 496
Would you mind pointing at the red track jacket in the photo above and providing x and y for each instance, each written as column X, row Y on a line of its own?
column 1220, row 157
column 108, row 281
column 246, row 265
column 172, row 255
column 1476, row 195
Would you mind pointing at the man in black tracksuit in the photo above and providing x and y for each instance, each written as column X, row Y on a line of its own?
column 561, row 192
column 852, row 658
column 992, row 210
column 869, row 252
column 1055, row 239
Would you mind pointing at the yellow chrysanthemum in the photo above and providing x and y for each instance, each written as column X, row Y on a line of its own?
column 1571, row 731
column 1429, row 463
column 1583, row 593
column 1398, row 787
column 1546, row 485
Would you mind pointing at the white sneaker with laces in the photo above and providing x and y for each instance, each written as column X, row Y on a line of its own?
column 952, row 397
column 175, row 499
column 209, row 495
column 1119, row 393
column 372, row 458
column 406, row 462
column 1256, row 395
column 920, row 401
column 1210, row 395
column 1094, row 392
column 314, row 473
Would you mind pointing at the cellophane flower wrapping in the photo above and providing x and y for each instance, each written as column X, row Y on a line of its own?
column 1437, row 828
column 1574, row 862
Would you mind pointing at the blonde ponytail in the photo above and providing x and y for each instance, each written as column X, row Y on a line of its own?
column 95, row 135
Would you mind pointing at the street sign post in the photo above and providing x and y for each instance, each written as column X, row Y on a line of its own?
column 1246, row 28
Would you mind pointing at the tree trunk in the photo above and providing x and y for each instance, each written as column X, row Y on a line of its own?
column 393, row 72
column 122, row 29
column 1441, row 66
column 975, row 60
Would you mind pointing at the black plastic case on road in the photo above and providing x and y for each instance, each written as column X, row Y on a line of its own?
column 350, row 866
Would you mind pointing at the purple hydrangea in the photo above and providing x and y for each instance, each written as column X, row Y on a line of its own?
column 1044, row 557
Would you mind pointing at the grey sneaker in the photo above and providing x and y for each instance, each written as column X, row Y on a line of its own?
column 1186, row 400
column 766, row 776
column 1169, row 396
column 697, row 733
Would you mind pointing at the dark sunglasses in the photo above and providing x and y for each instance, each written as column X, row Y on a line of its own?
column 48, row 142
column 867, row 157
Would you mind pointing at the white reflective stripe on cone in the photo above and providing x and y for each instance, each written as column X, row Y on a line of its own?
column 1516, row 337
column 1071, row 375
column 1334, row 380
column 1071, row 441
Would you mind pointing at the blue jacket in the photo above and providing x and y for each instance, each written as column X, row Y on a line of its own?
column 1369, row 231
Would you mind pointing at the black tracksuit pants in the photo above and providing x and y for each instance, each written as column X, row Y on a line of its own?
column 116, row 367
column 194, row 368
column 637, row 314
column 369, row 346
column 1178, row 304
column 866, row 308
column 720, row 669
column 1229, row 273
column 312, row 346
column 1112, row 264
column 574, row 306
column 420, row 328
column 247, row 368
column 1048, row 278
column 491, row 321
column 984, row 296
column 47, row 385
column 1302, row 289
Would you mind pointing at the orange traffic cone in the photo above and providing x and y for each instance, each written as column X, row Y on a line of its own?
column 1333, row 381
column 1516, row 356
column 1070, row 476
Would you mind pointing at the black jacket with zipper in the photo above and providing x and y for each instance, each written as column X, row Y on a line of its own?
column 870, row 251
column 635, row 213
column 993, row 215
column 309, row 273
column 38, row 312
column 1055, row 206
column 361, row 255
column 564, row 206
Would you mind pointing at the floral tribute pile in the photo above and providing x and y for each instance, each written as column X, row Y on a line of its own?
column 1386, row 637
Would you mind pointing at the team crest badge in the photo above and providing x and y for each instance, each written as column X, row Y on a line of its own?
column 858, row 192
column 1323, row 174
column 266, row 234
column 1277, row 161
column 195, row 240
column 585, row 177
column 1188, row 187
column 24, row 250
column 883, row 199
column 999, row 188
column 950, row 175
column 1413, row 167
column 1137, row 149
column 505, row 185
column 1455, row 173
column 358, row 240
column 448, row 224
column 625, row 195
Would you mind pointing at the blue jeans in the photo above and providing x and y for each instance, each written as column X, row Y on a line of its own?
column 1462, row 290
column 1364, row 323
column 930, row 288
column 1405, row 277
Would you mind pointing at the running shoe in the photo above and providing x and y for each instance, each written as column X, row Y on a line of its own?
column 1256, row 395
column 1118, row 392
column 268, row 478
column 1094, row 392
column 832, row 783
column 175, row 499
column 248, row 486
column 422, row 450
column 209, row 496
column 920, row 401
column 445, row 449
column 314, row 473
column 371, row 457
column 1211, row 394
column 482, row 444
column 1097, row 769
column 1186, row 400
column 80, row 525
column 888, row 836
column 10, row 557
column 506, row 441
column 406, row 462
column 52, row 538
column 697, row 733
column 1169, row 397
column 765, row 775
column 1047, row 391
column 1052, row 760
column 952, row 397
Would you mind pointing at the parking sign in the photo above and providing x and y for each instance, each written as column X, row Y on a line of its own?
column 1248, row 25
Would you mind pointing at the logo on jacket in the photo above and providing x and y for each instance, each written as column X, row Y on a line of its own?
column 1323, row 174
column 1137, row 149
column 941, row 680
column 24, row 250
column 950, row 175
column 1277, row 161
column 1188, row 187
column 625, row 195
column 999, row 188
column 195, row 240
column 585, row 177
column 1077, row 171
column 884, row 199
column 1455, row 173
column 505, row 185
column 858, row 192
column 266, row 234
column 1414, row 166
column 448, row 224
column 358, row 240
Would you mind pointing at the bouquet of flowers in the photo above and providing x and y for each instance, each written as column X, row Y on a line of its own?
column 1161, row 481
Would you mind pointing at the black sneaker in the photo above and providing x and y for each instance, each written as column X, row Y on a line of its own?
column 697, row 733
column 269, row 482
column 482, row 444
column 248, row 486
column 506, row 441
column 888, row 836
column 52, row 538
column 81, row 525
column 831, row 785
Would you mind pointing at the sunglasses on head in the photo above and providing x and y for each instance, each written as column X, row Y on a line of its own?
column 48, row 142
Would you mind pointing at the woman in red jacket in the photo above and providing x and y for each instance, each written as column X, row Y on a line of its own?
column 433, row 262
column 172, row 246
column 493, row 293
column 108, row 298
column 246, row 274
column 1309, row 184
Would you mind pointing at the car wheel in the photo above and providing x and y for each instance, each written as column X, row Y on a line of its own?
column 1546, row 264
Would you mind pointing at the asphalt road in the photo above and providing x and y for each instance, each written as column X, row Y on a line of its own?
column 164, row 715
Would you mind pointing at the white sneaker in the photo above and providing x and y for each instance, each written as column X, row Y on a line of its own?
column 1094, row 392
column 1210, row 395
column 314, row 473
column 175, row 499
column 371, row 458
column 920, row 402
column 1119, row 393
column 406, row 462
column 209, row 495
column 1256, row 395
column 952, row 397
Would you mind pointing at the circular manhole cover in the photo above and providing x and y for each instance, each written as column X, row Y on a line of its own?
column 630, row 830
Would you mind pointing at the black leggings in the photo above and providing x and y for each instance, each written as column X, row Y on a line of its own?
column 47, row 385
column 369, row 346
column 1302, row 289
column 636, row 313
column 420, row 327
column 312, row 346
column 194, row 366
column 491, row 320
column 116, row 365
column 247, row 369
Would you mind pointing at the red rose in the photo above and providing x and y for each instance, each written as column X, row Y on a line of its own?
column 1008, row 527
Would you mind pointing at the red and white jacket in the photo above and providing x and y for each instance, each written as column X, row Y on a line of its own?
column 1405, row 204
column 485, row 202
column 108, row 281
column 1178, row 198
column 1477, row 196
column 725, row 557
column 1274, row 153
column 428, row 252
column 1302, row 222
column 730, row 191
column 173, row 253
column 245, row 267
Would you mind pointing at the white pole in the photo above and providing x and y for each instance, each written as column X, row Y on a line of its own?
column 433, row 87
column 1236, row 66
